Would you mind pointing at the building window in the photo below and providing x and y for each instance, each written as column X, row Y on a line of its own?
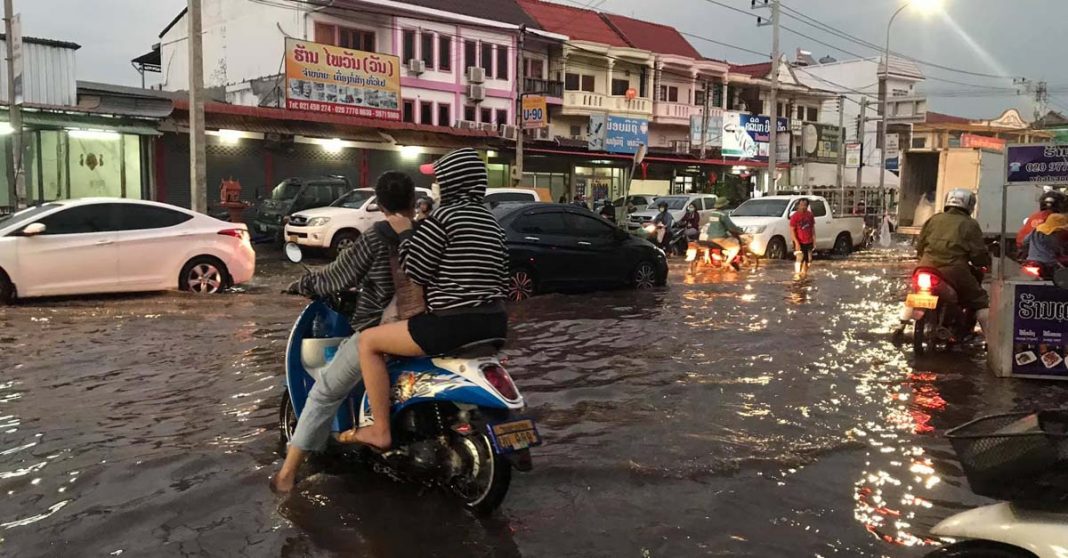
column 699, row 98
column 470, row 54
column 426, row 45
column 587, row 83
column 620, row 86
column 534, row 68
column 576, row 131
column 502, row 116
column 345, row 37
column 444, row 53
column 426, row 112
column 469, row 113
column 800, row 113
column 408, row 46
column 487, row 116
column 668, row 93
column 502, row 62
column 813, row 115
column 487, row 59
column 444, row 114
column 409, row 110
column 571, row 82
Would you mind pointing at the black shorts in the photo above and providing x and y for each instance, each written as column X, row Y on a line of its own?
column 437, row 334
column 806, row 253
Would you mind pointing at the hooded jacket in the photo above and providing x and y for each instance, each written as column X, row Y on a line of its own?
column 458, row 253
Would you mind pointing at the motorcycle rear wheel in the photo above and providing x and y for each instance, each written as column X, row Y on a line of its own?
column 919, row 335
column 491, row 474
column 287, row 420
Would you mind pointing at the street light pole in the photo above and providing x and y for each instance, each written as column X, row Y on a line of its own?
column 884, row 103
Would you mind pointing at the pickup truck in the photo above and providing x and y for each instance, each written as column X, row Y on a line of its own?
column 337, row 226
column 767, row 220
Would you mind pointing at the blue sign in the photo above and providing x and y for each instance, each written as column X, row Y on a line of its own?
column 1047, row 164
column 1040, row 331
column 624, row 135
column 748, row 136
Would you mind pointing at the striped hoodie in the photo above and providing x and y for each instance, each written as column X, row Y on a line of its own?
column 457, row 253
column 366, row 267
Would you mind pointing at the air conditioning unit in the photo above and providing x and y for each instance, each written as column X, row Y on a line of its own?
column 476, row 74
column 467, row 124
column 488, row 127
column 541, row 134
column 476, row 93
column 509, row 132
column 416, row 66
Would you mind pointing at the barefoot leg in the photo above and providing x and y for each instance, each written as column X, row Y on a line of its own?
column 375, row 344
column 284, row 480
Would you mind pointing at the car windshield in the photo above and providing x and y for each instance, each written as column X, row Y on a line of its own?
column 761, row 208
column 673, row 202
column 26, row 215
column 285, row 191
column 353, row 199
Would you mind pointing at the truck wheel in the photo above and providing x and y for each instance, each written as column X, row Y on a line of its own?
column 776, row 249
column 843, row 245
column 343, row 240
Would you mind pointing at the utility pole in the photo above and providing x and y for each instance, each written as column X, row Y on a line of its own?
column 14, row 94
column 198, row 172
column 704, row 121
column 773, row 129
column 861, row 132
column 517, row 170
column 841, row 151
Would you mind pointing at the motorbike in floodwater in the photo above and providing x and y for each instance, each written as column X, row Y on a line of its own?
column 1021, row 459
column 452, row 416
column 940, row 321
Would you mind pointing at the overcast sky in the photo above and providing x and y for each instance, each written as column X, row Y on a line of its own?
column 1002, row 37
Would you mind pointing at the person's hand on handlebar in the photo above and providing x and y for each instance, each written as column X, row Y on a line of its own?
column 293, row 288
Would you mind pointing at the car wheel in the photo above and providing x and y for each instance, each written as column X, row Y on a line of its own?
column 843, row 245
column 521, row 285
column 776, row 249
column 644, row 275
column 343, row 240
column 204, row 275
column 7, row 289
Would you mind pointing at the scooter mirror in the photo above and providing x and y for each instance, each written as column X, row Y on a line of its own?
column 293, row 252
column 1060, row 278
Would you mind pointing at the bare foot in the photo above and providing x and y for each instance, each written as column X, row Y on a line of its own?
column 282, row 485
column 367, row 436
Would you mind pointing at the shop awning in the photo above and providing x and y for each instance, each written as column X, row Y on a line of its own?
column 59, row 121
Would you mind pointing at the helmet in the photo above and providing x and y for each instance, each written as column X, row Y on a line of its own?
column 1054, row 201
column 961, row 199
column 425, row 200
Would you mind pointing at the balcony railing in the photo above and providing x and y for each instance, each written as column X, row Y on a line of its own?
column 664, row 110
column 544, row 87
column 620, row 103
column 585, row 100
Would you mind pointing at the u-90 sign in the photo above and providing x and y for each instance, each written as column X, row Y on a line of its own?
column 535, row 112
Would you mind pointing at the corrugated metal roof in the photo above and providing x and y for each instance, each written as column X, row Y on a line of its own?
column 653, row 37
column 46, row 42
column 49, row 73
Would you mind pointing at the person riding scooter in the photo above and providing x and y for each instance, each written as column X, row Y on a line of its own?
column 952, row 243
column 663, row 222
column 722, row 232
column 1051, row 202
column 1046, row 245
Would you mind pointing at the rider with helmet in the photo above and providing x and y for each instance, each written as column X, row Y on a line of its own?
column 952, row 242
column 1051, row 202
column 423, row 207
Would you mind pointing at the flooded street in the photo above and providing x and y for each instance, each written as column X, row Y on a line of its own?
column 742, row 414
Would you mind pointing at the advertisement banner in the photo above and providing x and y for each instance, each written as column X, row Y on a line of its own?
column 325, row 78
column 715, row 130
column 622, row 135
column 821, row 143
column 854, row 155
column 1039, row 330
column 747, row 136
column 1038, row 163
column 982, row 142
column 595, row 132
column 535, row 112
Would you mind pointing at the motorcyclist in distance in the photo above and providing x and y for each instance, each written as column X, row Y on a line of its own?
column 1051, row 202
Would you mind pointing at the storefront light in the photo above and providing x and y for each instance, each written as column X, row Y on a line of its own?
column 6, row 129
column 93, row 134
column 334, row 145
column 230, row 137
column 409, row 152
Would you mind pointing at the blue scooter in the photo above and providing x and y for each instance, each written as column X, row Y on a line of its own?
column 451, row 415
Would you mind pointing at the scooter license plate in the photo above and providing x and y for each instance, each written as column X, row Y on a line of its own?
column 293, row 238
column 514, row 436
column 920, row 300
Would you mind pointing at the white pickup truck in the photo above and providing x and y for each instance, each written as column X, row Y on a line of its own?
column 767, row 220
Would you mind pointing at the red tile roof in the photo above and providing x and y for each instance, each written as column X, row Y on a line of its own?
column 939, row 118
column 759, row 70
column 579, row 24
column 653, row 37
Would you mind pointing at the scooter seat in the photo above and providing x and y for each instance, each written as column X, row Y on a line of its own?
column 313, row 354
column 478, row 349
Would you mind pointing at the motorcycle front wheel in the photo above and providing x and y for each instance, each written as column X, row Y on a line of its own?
column 487, row 475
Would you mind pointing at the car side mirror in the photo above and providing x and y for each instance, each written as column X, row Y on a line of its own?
column 33, row 229
column 372, row 207
column 293, row 252
column 1060, row 278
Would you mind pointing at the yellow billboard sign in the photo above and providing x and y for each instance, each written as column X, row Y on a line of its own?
column 535, row 112
column 335, row 80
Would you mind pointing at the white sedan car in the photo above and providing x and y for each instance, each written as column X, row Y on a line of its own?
column 106, row 245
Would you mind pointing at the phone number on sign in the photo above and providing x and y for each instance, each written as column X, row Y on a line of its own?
column 312, row 106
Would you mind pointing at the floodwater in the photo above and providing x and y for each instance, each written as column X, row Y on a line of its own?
column 736, row 414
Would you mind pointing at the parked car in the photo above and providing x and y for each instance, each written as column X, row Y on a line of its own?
column 640, row 201
column 768, row 221
column 563, row 246
column 104, row 245
column 499, row 196
column 338, row 225
column 293, row 195
column 705, row 203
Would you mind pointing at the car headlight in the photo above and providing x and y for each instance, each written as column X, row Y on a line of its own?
column 755, row 229
column 318, row 221
column 663, row 254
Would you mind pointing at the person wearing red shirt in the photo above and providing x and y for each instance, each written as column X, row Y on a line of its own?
column 1051, row 202
column 803, row 231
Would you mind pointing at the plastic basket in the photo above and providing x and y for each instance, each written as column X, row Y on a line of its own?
column 1017, row 457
